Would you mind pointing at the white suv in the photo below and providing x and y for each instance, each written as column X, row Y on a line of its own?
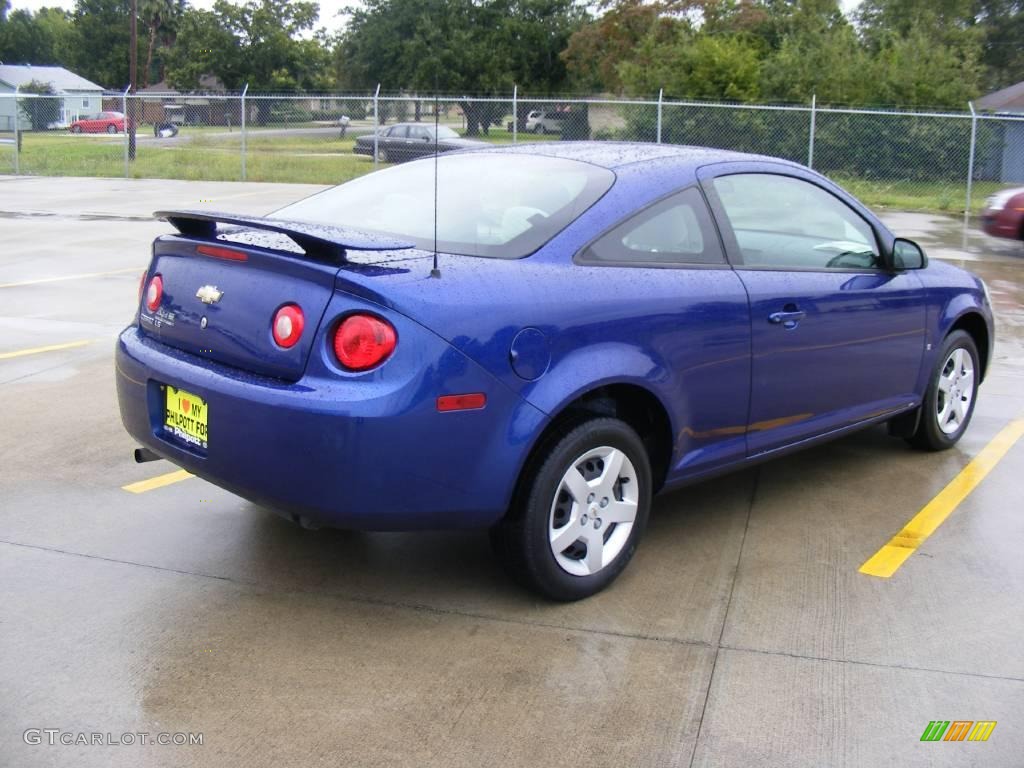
column 540, row 121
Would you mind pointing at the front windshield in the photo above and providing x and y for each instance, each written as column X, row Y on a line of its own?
column 497, row 205
column 443, row 132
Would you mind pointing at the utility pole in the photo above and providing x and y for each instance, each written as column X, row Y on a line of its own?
column 133, row 50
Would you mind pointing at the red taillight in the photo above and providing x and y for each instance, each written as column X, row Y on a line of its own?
column 142, row 283
column 154, row 293
column 287, row 325
column 228, row 254
column 363, row 341
column 469, row 402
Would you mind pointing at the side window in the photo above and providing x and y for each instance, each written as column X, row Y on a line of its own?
column 677, row 230
column 418, row 133
column 397, row 132
column 781, row 221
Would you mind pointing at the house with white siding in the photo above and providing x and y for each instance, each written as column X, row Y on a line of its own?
column 78, row 97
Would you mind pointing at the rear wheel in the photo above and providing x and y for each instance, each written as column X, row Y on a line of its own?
column 952, row 391
column 538, row 128
column 111, row 128
column 580, row 513
column 76, row 129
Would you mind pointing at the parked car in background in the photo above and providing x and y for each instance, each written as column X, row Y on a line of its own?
column 546, row 121
column 1004, row 214
column 104, row 122
column 606, row 320
column 408, row 141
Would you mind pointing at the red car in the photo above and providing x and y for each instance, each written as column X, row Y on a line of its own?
column 104, row 122
column 1004, row 214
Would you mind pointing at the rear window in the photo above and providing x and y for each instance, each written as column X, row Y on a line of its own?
column 492, row 205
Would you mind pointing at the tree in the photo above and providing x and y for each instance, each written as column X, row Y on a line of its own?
column 98, row 45
column 695, row 66
column 160, row 19
column 831, row 65
column 203, row 47
column 42, row 111
column 1001, row 24
column 257, row 43
column 596, row 49
column 465, row 46
column 916, row 70
column 775, row 21
column 27, row 38
column 939, row 19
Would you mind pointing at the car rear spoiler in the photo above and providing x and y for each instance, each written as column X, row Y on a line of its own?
column 319, row 241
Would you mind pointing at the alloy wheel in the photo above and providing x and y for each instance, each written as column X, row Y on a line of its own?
column 955, row 391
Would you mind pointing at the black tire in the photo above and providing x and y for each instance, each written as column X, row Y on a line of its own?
column 111, row 128
column 929, row 436
column 521, row 540
column 76, row 129
column 539, row 129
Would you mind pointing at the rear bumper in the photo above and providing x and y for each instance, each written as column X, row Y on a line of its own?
column 367, row 453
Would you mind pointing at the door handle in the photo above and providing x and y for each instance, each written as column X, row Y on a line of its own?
column 789, row 318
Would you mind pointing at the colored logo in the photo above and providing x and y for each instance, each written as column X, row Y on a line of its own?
column 958, row 730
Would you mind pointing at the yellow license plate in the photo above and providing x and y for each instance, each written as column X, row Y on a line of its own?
column 185, row 417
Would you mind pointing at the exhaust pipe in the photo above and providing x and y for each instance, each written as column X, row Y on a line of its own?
column 143, row 455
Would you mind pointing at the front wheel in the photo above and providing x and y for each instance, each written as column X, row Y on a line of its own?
column 952, row 392
column 76, row 129
column 111, row 128
column 579, row 513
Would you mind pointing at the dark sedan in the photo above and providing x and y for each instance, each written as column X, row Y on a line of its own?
column 408, row 141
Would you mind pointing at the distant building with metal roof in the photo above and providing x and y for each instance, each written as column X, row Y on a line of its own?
column 1007, row 157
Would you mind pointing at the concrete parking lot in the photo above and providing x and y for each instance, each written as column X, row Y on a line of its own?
column 741, row 635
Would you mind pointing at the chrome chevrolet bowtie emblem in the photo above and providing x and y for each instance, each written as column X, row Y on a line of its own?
column 209, row 294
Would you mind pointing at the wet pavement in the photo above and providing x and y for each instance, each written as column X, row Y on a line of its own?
column 741, row 635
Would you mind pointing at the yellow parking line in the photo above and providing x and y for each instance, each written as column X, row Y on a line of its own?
column 890, row 557
column 50, row 348
column 157, row 482
column 71, row 277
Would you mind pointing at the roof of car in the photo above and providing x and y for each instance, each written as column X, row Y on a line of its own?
column 615, row 154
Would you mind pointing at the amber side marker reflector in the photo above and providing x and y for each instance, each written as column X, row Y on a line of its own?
column 471, row 402
column 228, row 254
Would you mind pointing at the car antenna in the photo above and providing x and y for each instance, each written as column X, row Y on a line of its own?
column 435, row 272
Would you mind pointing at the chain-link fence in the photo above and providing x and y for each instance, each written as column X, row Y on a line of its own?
column 941, row 161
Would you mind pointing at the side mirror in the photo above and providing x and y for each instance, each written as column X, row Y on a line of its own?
column 906, row 254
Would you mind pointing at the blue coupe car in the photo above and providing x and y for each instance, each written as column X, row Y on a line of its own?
column 569, row 329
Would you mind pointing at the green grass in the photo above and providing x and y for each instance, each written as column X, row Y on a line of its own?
column 213, row 154
column 928, row 196
column 314, row 159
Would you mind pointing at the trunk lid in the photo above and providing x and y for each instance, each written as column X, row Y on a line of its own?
column 222, row 288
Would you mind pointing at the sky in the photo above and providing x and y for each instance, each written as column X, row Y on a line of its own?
column 328, row 8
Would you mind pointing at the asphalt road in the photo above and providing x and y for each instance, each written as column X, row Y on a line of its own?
column 741, row 635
